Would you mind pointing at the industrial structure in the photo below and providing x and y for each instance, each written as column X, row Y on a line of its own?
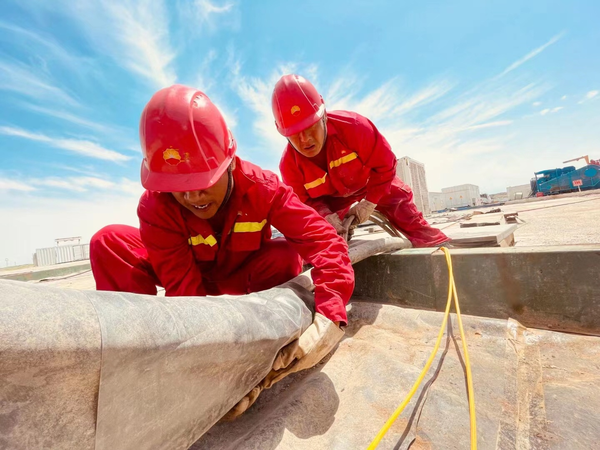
column 461, row 196
column 412, row 172
column 567, row 179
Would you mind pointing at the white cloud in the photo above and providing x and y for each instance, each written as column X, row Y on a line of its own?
column 564, row 97
column 25, row 80
column 81, row 147
column 536, row 103
column 134, row 33
column 76, row 119
column 543, row 112
column 7, row 184
column 205, row 9
column 531, row 54
column 589, row 96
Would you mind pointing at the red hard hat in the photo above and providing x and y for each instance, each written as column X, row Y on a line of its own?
column 296, row 104
column 185, row 141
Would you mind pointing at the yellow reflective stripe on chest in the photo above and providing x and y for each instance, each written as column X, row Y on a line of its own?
column 248, row 227
column 197, row 240
column 343, row 160
column 315, row 183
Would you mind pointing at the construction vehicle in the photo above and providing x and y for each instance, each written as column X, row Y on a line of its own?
column 567, row 179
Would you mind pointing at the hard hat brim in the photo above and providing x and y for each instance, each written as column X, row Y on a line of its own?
column 304, row 124
column 182, row 182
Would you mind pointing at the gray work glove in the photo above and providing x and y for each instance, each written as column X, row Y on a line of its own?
column 336, row 222
column 362, row 211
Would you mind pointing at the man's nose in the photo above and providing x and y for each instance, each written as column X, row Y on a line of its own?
column 193, row 196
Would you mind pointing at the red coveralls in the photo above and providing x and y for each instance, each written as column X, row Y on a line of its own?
column 360, row 164
column 181, row 252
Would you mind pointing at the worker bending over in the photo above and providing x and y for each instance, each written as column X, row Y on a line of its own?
column 205, row 224
column 334, row 159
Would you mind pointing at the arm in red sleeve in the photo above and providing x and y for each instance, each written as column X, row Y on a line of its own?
column 170, row 254
column 377, row 154
column 319, row 244
column 290, row 174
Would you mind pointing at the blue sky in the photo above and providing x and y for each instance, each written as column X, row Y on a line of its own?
column 481, row 92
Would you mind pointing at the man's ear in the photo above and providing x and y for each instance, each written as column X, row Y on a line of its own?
column 233, row 164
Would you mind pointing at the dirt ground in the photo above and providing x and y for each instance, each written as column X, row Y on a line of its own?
column 568, row 220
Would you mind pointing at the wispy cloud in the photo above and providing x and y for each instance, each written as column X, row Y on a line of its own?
column 536, row 103
column 29, row 82
column 87, row 183
column 81, row 147
column 134, row 33
column 589, row 96
column 532, row 54
column 7, row 184
column 75, row 119
column 206, row 9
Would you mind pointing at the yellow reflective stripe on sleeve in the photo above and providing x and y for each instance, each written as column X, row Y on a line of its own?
column 315, row 183
column 248, row 227
column 197, row 240
column 343, row 160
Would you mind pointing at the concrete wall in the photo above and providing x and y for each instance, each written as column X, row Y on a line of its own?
column 553, row 287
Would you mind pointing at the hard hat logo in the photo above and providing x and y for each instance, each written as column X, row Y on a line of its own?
column 172, row 156
column 295, row 110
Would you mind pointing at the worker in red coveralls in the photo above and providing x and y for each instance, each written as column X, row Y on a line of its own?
column 205, row 225
column 334, row 159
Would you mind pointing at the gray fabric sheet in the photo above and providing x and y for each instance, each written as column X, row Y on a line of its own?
column 104, row 370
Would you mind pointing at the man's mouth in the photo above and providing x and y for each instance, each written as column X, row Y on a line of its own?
column 309, row 148
column 201, row 207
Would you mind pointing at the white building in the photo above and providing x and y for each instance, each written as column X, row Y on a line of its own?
column 436, row 201
column 412, row 172
column 518, row 192
column 463, row 195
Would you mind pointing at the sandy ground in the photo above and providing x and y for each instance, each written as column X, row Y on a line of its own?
column 561, row 221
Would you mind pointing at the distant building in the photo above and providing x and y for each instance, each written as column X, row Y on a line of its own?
column 518, row 192
column 412, row 172
column 463, row 195
column 499, row 197
column 436, row 201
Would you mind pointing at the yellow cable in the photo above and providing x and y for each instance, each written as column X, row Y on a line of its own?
column 394, row 416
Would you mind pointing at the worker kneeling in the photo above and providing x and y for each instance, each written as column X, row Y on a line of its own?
column 205, row 226
column 334, row 159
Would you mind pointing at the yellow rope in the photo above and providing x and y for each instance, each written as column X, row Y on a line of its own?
column 451, row 293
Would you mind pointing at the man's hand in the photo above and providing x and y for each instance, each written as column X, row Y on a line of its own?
column 362, row 211
column 336, row 222
column 312, row 346
column 305, row 352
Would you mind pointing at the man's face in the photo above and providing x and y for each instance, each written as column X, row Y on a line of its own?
column 309, row 142
column 205, row 203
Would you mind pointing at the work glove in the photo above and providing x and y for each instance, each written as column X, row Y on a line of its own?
column 245, row 403
column 305, row 352
column 336, row 222
column 314, row 344
column 362, row 211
